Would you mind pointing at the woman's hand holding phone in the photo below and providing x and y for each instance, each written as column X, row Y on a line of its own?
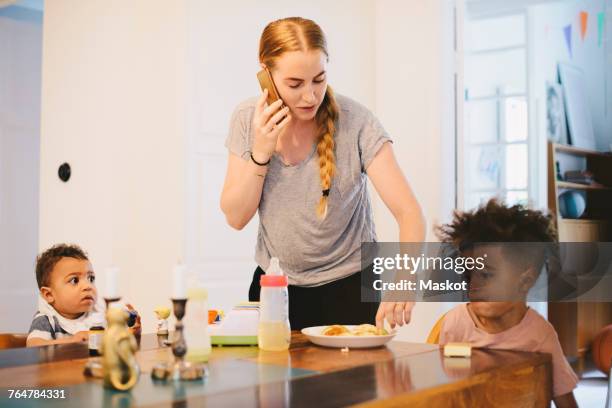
column 268, row 122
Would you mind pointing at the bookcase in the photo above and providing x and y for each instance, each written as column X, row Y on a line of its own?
column 578, row 323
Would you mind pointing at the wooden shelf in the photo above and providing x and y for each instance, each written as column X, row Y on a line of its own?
column 582, row 221
column 577, row 323
column 578, row 151
column 578, row 186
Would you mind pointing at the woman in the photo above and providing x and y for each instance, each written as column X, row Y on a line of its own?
column 304, row 166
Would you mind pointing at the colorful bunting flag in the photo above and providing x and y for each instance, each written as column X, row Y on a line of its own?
column 584, row 18
column 567, row 31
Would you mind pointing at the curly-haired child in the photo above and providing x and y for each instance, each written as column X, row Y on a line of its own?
column 497, row 315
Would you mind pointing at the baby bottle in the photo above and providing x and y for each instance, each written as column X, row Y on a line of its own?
column 196, row 326
column 274, row 332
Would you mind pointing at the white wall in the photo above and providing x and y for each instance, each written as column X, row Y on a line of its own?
column 392, row 56
column 131, row 96
column 20, row 65
column 145, row 109
column 226, row 45
column 223, row 48
column 114, row 107
column 481, row 8
column 547, row 48
column 414, row 100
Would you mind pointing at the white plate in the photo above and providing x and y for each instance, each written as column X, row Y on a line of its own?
column 315, row 335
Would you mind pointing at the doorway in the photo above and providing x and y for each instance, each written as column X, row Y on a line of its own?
column 20, row 96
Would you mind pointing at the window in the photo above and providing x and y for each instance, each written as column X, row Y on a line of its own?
column 496, row 121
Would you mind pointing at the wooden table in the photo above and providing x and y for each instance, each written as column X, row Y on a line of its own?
column 399, row 374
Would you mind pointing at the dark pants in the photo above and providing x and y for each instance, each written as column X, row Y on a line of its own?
column 338, row 302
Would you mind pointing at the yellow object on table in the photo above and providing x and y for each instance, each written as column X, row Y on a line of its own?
column 457, row 350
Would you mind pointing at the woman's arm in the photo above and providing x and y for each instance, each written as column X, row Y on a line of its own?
column 393, row 188
column 244, row 178
column 242, row 190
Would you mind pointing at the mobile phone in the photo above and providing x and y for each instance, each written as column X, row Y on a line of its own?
column 266, row 82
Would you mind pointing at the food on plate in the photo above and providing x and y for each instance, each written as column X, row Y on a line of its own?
column 361, row 330
column 368, row 330
column 336, row 330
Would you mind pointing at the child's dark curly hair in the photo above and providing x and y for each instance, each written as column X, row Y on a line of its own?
column 496, row 222
column 46, row 261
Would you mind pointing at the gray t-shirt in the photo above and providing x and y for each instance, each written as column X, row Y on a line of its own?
column 315, row 251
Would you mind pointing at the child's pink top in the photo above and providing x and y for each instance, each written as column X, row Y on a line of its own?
column 533, row 333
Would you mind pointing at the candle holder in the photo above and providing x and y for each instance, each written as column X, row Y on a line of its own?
column 179, row 369
column 108, row 301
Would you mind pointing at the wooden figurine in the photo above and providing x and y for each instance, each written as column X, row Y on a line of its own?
column 121, row 370
column 162, row 314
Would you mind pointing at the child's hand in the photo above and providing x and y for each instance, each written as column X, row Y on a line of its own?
column 137, row 327
column 80, row 336
column 396, row 313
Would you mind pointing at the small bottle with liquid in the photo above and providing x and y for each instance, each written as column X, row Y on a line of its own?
column 196, row 326
column 96, row 333
column 274, row 331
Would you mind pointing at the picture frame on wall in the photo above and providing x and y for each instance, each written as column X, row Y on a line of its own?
column 556, row 121
column 577, row 107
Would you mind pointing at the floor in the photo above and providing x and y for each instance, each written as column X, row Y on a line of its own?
column 592, row 389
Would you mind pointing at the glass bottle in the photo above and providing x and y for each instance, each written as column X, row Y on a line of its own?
column 96, row 332
column 196, row 326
